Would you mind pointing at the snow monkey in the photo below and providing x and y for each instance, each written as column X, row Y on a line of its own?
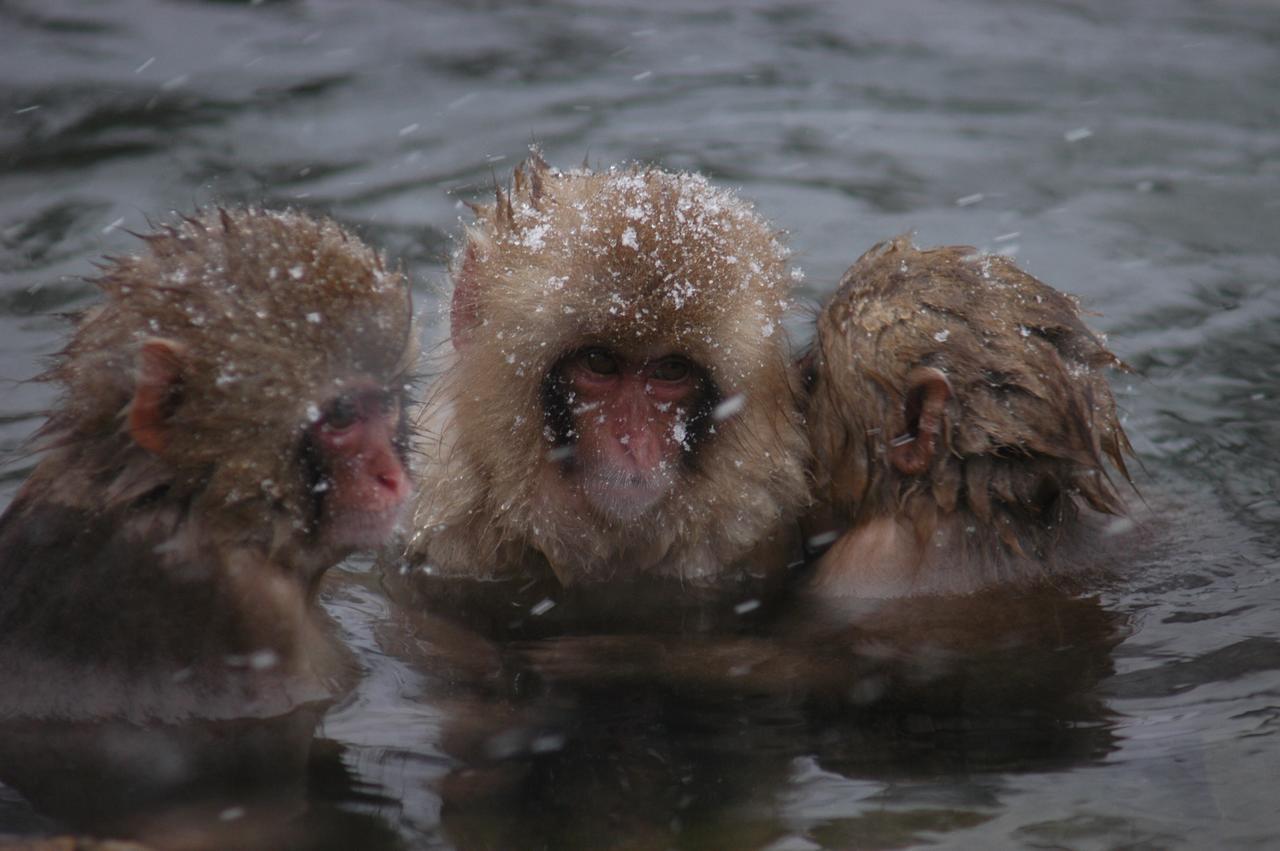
column 230, row 426
column 620, row 401
column 959, row 418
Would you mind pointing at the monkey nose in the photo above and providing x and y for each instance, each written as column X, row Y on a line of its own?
column 642, row 450
column 388, row 475
column 393, row 482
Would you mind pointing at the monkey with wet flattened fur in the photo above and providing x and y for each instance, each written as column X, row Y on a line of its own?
column 959, row 419
column 230, row 426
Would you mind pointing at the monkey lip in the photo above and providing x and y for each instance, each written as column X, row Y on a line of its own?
column 626, row 495
column 353, row 531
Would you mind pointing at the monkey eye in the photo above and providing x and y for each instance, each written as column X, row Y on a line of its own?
column 389, row 405
column 600, row 361
column 670, row 369
column 343, row 413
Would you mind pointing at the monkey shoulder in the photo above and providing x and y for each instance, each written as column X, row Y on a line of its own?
column 98, row 620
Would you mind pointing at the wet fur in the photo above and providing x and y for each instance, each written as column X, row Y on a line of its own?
column 1028, row 432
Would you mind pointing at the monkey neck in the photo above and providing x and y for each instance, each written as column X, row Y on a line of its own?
column 592, row 555
column 919, row 548
column 605, row 547
column 137, row 494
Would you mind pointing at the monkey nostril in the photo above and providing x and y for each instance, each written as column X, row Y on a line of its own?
column 392, row 481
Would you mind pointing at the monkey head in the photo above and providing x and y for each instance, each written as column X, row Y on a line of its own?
column 954, row 378
column 620, row 393
column 243, row 362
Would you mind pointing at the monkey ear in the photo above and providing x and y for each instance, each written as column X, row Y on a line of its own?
column 155, row 394
column 924, row 408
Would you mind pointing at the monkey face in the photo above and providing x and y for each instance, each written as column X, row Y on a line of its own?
column 629, row 425
column 357, row 452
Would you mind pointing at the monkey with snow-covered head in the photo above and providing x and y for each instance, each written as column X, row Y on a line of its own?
column 620, row 400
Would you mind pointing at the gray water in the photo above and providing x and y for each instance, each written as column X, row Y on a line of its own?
column 1128, row 153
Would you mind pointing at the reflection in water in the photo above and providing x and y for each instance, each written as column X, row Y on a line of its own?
column 583, row 739
column 227, row 784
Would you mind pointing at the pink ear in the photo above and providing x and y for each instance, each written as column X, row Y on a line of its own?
column 155, row 393
column 925, row 411
column 463, row 311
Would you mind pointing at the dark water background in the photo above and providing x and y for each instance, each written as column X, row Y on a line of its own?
column 1129, row 153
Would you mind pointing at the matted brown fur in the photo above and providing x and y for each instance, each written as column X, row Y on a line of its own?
column 640, row 260
column 1031, row 418
column 273, row 311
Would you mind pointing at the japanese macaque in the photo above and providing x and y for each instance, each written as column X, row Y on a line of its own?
column 620, row 401
column 959, row 420
column 230, row 427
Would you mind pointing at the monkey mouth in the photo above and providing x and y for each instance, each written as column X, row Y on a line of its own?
column 626, row 494
column 356, row 531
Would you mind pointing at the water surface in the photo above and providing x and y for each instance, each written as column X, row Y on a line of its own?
column 1126, row 153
